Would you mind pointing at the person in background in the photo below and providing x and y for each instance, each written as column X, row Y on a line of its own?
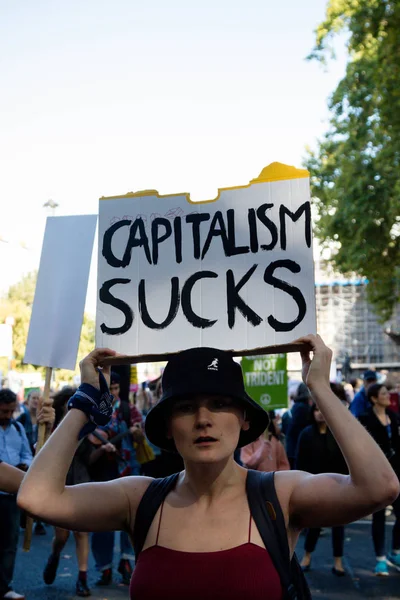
column 318, row 452
column 300, row 418
column 77, row 473
column 360, row 404
column 267, row 452
column 383, row 425
column 15, row 458
column 28, row 418
column 121, row 464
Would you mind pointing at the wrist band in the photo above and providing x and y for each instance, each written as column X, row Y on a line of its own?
column 96, row 404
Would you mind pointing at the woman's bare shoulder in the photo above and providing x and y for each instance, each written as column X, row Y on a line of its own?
column 285, row 483
column 135, row 488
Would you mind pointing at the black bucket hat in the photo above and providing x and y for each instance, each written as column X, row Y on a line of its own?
column 203, row 371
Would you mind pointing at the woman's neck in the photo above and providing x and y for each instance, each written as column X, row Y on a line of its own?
column 379, row 410
column 32, row 412
column 210, row 481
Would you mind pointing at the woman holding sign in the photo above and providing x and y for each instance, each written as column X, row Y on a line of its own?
column 208, row 531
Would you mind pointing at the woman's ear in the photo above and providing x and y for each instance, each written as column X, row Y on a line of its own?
column 245, row 423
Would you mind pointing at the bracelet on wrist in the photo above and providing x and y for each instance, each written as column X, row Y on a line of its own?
column 97, row 404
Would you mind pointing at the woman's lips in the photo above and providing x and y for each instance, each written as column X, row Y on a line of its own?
column 202, row 441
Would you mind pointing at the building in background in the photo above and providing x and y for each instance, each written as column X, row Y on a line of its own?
column 348, row 324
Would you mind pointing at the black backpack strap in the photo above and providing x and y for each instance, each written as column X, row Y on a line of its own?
column 17, row 426
column 267, row 514
column 152, row 499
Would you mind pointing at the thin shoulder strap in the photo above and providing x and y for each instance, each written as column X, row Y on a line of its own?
column 148, row 507
column 250, row 528
column 159, row 522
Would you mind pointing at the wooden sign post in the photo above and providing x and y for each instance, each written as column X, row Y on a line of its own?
column 43, row 435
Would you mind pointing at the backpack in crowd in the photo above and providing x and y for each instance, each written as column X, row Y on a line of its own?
column 268, row 517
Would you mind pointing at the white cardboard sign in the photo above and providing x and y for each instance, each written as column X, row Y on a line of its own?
column 235, row 273
column 60, row 294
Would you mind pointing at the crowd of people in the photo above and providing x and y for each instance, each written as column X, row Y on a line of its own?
column 306, row 438
column 311, row 447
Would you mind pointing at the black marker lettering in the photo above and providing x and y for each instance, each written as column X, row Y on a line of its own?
column 293, row 291
column 217, row 227
column 137, row 227
column 195, row 220
column 306, row 208
column 107, row 252
column 173, row 307
column 156, row 240
column 234, row 301
column 261, row 210
column 187, row 309
column 178, row 239
column 106, row 297
column 233, row 249
column 251, row 217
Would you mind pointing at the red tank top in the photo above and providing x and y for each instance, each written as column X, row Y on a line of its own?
column 245, row 571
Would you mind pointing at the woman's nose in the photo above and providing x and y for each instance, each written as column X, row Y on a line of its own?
column 202, row 415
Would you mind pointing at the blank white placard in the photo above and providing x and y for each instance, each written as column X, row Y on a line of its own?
column 60, row 294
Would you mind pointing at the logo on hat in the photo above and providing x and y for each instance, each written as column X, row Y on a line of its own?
column 213, row 366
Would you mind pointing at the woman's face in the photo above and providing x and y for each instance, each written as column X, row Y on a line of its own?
column 206, row 429
column 383, row 398
column 319, row 417
column 33, row 401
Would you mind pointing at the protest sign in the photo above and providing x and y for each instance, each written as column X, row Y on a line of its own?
column 265, row 380
column 236, row 273
column 58, row 305
column 29, row 390
column 60, row 294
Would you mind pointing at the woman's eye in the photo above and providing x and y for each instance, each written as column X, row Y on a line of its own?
column 184, row 408
column 221, row 403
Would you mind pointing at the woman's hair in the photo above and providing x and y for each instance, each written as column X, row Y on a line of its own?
column 340, row 392
column 59, row 402
column 271, row 426
column 373, row 390
column 7, row 396
column 115, row 378
column 313, row 409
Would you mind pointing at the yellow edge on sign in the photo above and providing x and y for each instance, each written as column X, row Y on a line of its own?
column 274, row 172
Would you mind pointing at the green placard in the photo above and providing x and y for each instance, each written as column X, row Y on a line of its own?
column 28, row 390
column 265, row 380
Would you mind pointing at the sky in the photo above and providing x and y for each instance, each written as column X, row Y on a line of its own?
column 100, row 98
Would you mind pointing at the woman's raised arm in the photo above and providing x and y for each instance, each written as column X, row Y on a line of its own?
column 89, row 506
column 10, row 478
column 332, row 499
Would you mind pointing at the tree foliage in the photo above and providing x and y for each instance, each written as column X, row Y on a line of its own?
column 355, row 173
column 18, row 303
